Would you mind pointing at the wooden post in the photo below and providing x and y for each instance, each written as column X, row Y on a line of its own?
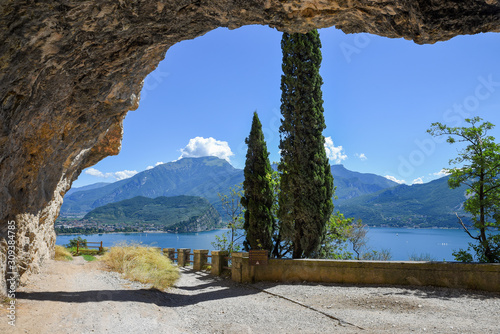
column 77, row 246
column 100, row 248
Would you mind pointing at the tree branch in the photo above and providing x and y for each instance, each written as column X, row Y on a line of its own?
column 465, row 228
column 492, row 188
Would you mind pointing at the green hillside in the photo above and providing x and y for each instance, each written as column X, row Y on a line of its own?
column 180, row 213
column 203, row 177
column 431, row 204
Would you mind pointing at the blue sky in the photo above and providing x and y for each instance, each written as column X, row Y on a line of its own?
column 380, row 96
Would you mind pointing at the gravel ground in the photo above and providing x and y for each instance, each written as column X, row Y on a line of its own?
column 81, row 297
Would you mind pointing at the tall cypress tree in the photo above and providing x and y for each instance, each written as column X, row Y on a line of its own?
column 305, row 200
column 258, row 194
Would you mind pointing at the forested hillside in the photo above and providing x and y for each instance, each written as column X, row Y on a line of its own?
column 176, row 214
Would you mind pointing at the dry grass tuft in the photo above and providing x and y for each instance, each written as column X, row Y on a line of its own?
column 144, row 264
column 62, row 254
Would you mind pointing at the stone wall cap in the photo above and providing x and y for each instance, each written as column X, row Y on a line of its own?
column 240, row 254
column 220, row 252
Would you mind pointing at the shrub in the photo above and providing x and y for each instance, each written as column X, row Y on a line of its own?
column 72, row 243
column 476, row 252
column 62, row 254
column 422, row 257
column 144, row 264
column 463, row 256
column 382, row 255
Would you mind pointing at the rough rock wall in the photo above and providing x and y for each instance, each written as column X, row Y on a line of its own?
column 71, row 69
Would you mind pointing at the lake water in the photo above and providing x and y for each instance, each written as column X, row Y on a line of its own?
column 439, row 243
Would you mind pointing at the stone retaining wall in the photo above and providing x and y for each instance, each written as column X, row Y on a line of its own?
column 474, row 276
column 441, row 274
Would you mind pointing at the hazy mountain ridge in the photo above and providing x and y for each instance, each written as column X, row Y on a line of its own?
column 88, row 187
column 353, row 184
column 431, row 204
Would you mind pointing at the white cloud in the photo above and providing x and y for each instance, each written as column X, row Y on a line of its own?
column 392, row 178
column 156, row 164
column 441, row 173
column 336, row 154
column 120, row 175
column 124, row 174
column 361, row 156
column 98, row 173
column 202, row 147
column 418, row 180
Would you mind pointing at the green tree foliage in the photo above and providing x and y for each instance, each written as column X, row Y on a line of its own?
column 257, row 199
column 480, row 167
column 345, row 234
column 73, row 242
column 282, row 243
column 223, row 242
column 336, row 240
column 337, row 236
column 305, row 201
column 231, row 204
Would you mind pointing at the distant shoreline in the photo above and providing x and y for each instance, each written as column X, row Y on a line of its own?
column 225, row 229
column 155, row 232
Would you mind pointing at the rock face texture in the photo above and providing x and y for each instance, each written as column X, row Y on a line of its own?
column 70, row 70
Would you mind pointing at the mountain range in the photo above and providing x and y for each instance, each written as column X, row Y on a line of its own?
column 202, row 177
column 431, row 204
column 370, row 197
column 351, row 184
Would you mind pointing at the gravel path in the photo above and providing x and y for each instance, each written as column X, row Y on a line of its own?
column 81, row 297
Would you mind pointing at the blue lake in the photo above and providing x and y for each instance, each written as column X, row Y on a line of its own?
column 439, row 243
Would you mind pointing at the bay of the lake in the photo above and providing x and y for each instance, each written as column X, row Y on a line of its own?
column 402, row 242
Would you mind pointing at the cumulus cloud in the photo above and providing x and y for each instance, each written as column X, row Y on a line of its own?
column 392, row 178
column 120, row 175
column 441, row 173
column 98, row 173
column 418, row 180
column 124, row 174
column 202, row 147
column 156, row 164
column 333, row 153
column 361, row 156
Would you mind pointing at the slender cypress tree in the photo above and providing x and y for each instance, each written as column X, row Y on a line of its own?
column 305, row 200
column 258, row 193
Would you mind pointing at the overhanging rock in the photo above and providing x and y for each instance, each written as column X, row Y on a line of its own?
column 70, row 71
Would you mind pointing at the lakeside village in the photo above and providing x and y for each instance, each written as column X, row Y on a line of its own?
column 84, row 226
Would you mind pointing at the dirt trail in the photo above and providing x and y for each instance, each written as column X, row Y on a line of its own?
column 81, row 297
